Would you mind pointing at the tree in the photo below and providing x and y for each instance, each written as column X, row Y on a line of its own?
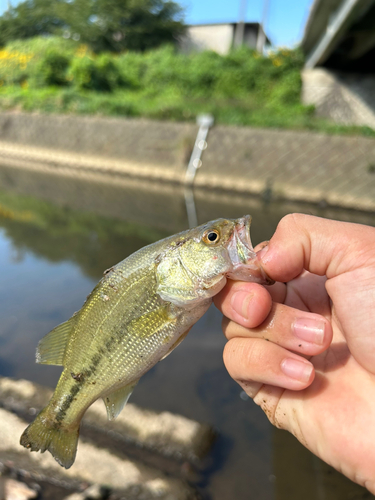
column 29, row 19
column 105, row 25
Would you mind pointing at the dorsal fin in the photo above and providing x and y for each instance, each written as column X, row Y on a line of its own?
column 51, row 348
column 116, row 401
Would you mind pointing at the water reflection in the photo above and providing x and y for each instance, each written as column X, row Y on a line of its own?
column 59, row 232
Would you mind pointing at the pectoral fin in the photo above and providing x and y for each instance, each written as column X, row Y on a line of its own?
column 151, row 323
column 116, row 401
column 51, row 348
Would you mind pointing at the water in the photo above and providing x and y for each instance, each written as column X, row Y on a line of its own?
column 57, row 236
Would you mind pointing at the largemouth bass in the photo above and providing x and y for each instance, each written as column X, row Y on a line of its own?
column 138, row 313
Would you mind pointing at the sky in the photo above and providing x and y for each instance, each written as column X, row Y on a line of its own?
column 284, row 24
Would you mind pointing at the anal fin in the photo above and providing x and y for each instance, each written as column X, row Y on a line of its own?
column 116, row 401
column 51, row 348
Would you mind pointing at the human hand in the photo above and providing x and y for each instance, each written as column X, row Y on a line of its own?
column 305, row 350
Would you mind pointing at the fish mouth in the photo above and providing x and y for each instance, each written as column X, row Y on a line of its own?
column 245, row 264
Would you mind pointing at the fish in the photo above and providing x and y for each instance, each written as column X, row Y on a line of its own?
column 140, row 311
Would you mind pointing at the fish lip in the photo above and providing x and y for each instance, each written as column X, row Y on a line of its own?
column 240, row 239
column 245, row 264
column 242, row 233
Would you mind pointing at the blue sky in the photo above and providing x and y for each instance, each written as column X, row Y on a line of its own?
column 284, row 26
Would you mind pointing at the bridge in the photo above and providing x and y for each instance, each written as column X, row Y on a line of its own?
column 339, row 76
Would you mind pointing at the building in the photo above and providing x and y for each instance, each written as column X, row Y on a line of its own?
column 222, row 37
column 339, row 43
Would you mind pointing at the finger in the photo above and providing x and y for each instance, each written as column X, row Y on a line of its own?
column 249, row 303
column 250, row 361
column 259, row 246
column 299, row 331
column 321, row 246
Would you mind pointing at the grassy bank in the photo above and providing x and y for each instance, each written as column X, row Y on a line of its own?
column 56, row 75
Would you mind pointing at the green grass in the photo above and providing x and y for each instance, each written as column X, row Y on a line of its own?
column 242, row 88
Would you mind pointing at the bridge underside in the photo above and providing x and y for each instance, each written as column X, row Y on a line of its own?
column 339, row 77
column 340, row 34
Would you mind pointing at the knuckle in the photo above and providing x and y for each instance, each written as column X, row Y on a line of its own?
column 243, row 357
column 253, row 353
column 271, row 408
column 232, row 357
column 292, row 220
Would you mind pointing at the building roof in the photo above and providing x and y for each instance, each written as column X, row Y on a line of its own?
column 224, row 24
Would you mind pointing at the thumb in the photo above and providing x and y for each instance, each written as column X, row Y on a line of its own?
column 321, row 246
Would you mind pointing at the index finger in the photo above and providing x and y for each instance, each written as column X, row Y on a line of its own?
column 253, row 300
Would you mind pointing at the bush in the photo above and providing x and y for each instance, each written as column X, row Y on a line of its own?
column 132, row 67
column 50, row 70
column 82, row 72
column 91, row 73
column 108, row 73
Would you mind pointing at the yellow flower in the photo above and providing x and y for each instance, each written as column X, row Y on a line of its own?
column 82, row 50
column 25, row 215
column 5, row 213
column 25, row 85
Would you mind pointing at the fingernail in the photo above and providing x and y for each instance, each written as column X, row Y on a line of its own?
column 309, row 329
column 240, row 303
column 299, row 370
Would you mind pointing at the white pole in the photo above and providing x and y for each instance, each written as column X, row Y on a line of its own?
column 240, row 31
column 261, row 40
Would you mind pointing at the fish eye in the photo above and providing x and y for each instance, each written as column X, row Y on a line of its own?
column 211, row 237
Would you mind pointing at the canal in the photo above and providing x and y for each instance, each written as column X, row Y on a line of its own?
column 58, row 233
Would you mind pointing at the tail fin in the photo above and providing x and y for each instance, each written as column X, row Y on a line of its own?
column 61, row 443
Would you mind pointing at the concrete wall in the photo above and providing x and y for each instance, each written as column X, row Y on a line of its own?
column 276, row 164
column 345, row 98
column 250, row 37
column 217, row 37
column 166, row 144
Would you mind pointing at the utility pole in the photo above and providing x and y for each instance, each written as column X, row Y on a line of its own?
column 9, row 5
column 261, row 40
column 240, row 29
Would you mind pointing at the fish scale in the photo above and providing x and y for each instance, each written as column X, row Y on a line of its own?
column 137, row 314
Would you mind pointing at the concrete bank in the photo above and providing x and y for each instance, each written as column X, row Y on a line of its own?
column 154, row 454
column 286, row 165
